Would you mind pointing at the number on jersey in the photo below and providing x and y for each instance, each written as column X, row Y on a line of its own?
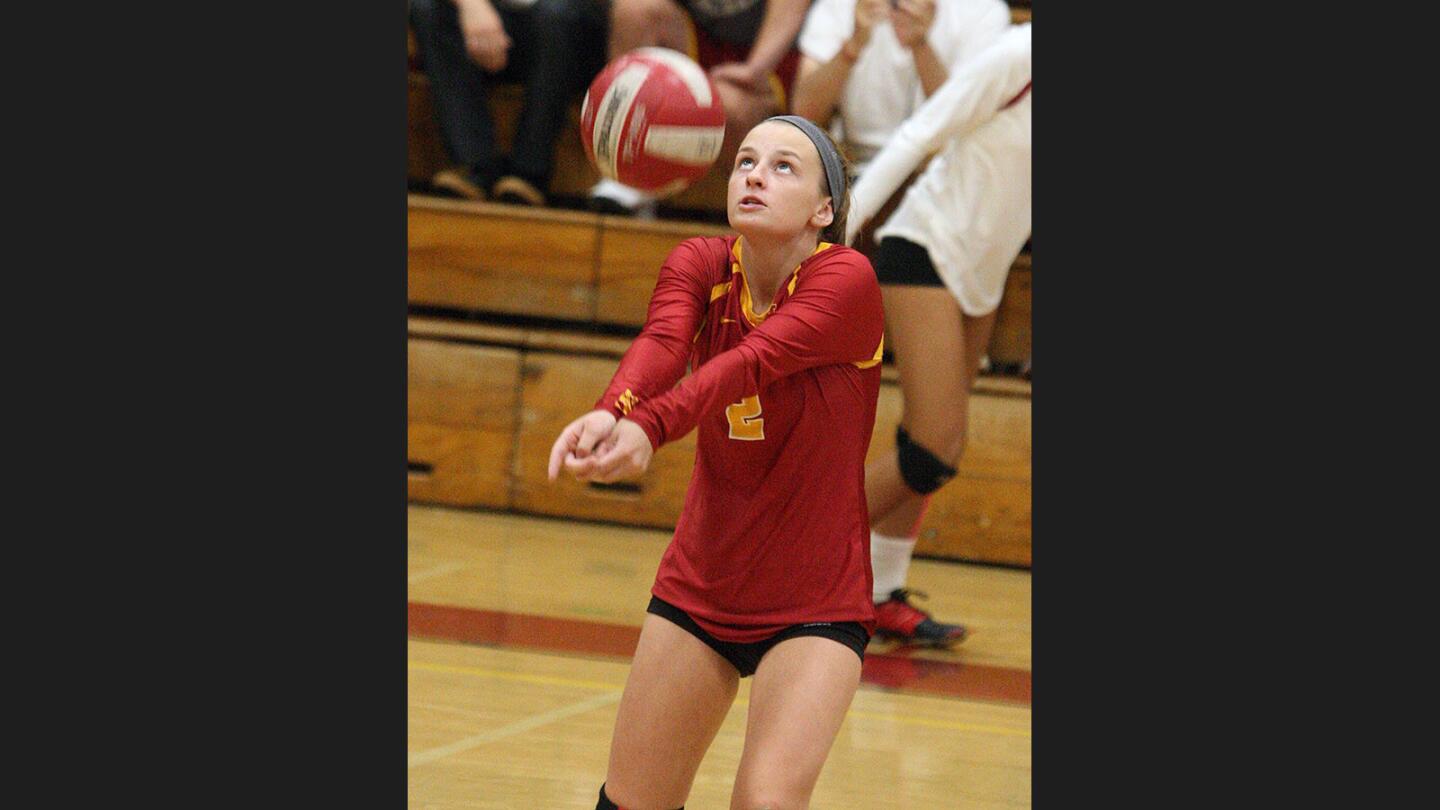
column 745, row 422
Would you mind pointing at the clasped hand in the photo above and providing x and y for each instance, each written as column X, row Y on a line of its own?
column 743, row 75
column 912, row 20
column 598, row 448
column 485, row 39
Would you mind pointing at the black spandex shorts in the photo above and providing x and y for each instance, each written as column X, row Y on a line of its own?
column 900, row 261
column 746, row 657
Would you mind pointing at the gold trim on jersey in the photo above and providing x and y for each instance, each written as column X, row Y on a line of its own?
column 879, row 350
column 626, row 401
column 746, row 302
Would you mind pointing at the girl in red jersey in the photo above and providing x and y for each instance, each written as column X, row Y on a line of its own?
column 769, row 570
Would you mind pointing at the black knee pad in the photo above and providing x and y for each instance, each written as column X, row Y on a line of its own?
column 922, row 471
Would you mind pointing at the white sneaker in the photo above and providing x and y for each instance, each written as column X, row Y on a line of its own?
column 612, row 197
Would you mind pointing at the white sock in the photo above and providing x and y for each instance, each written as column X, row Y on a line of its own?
column 890, row 561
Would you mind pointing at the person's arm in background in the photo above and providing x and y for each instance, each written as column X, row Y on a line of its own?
column 777, row 33
column 819, row 83
column 912, row 20
column 485, row 39
column 973, row 95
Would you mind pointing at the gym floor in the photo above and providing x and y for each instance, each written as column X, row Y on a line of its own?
column 521, row 630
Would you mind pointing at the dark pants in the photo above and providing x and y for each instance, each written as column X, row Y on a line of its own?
column 557, row 47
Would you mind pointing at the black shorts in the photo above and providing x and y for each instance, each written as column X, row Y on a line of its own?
column 900, row 261
column 746, row 657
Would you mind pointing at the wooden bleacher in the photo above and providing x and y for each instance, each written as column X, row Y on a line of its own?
column 519, row 316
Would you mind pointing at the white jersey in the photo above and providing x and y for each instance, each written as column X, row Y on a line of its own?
column 883, row 88
column 970, row 208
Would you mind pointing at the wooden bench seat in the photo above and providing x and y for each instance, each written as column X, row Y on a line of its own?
column 502, row 258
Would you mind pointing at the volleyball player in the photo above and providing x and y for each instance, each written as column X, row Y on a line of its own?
column 868, row 65
column 942, row 260
column 768, row 573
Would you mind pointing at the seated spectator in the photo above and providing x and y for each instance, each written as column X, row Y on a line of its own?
column 746, row 45
column 553, row 47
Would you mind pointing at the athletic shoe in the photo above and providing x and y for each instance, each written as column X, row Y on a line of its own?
column 611, row 197
column 458, row 182
column 896, row 618
column 517, row 191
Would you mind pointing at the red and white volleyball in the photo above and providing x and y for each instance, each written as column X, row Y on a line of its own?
column 652, row 119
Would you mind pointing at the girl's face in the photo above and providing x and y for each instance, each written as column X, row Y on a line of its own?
column 776, row 182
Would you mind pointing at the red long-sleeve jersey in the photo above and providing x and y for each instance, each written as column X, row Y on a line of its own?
column 774, row 531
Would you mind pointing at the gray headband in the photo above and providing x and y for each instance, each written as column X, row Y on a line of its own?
column 834, row 169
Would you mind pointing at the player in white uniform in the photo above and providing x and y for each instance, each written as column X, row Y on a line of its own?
column 978, row 127
column 866, row 66
column 942, row 260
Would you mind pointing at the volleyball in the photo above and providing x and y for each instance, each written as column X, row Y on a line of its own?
column 652, row 119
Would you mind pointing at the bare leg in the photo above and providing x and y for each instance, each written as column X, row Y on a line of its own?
column 904, row 519
column 743, row 110
column 923, row 323
column 802, row 690
column 676, row 697
column 640, row 23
